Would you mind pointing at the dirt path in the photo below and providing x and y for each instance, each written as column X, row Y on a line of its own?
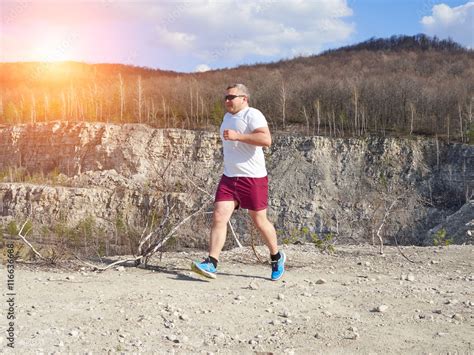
column 324, row 304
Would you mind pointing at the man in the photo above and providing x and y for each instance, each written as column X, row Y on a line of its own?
column 244, row 131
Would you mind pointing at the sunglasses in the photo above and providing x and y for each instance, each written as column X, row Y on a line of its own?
column 231, row 97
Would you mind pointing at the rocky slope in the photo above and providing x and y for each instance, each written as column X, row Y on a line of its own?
column 120, row 175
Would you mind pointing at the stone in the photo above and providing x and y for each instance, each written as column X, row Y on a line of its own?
column 172, row 338
column 74, row 333
column 381, row 309
column 253, row 286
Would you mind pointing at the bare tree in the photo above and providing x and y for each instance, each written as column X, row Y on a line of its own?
column 122, row 97
column 283, row 99
column 139, row 98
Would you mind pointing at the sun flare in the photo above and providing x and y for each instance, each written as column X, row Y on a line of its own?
column 51, row 49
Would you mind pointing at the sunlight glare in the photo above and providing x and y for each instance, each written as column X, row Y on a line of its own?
column 52, row 48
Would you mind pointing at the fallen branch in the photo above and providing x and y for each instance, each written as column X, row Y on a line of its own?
column 400, row 250
column 379, row 230
column 27, row 242
column 170, row 234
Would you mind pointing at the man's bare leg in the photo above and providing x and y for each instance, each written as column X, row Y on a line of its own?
column 222, row 212
column 266, row 229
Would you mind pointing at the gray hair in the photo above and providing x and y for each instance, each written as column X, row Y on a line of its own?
column 241, row 87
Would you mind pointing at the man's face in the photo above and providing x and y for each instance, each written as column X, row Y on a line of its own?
column 237, row 103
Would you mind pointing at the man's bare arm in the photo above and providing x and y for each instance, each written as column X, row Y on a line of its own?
column 260, row 137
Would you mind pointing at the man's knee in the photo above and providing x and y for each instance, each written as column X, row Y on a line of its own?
column 220, row 217
column 260, row 220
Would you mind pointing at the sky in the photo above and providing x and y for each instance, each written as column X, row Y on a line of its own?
column 200, row 35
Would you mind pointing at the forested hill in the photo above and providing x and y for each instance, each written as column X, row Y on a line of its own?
column 403, row 85
column 418, row 42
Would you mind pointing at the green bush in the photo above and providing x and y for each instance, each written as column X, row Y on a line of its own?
column 441, row 239
column 297, row 236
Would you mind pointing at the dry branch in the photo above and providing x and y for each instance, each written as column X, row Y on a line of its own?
column 27, row 242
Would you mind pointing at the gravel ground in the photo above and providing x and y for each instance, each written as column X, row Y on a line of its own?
column 353, row 301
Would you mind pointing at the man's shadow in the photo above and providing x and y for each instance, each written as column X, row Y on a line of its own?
column 179, row 274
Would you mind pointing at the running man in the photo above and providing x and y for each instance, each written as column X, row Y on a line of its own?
column 244, row 131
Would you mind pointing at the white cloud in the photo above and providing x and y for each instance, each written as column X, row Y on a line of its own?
column 201, row 68
column 455, row 22
column 235, row 30
column 180, row 41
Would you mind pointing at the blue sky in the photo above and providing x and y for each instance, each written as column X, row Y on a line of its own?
column 199, row 35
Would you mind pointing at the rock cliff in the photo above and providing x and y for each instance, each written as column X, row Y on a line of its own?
column 120, row 175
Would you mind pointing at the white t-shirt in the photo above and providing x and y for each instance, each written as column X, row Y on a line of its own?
column 242, row 159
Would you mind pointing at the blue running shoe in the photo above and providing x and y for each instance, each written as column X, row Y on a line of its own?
column 205, row 268
column 278, row 267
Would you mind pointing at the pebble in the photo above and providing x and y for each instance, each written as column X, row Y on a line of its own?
column 169, row 324
column 354, row 336
column 409, row 277
column 74, row 333
column 172, row 338
column 320, row 281
column 453, row 302
column 458, row 317
column 120, row 268
column 281, row 296
column 381, row 309
column 253, row 286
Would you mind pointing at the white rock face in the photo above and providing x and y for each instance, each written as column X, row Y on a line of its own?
column 71, row 171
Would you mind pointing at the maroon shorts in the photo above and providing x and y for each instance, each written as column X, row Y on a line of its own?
column 250, row 193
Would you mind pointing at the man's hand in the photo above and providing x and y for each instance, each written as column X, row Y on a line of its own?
column 231, row 135
column 260, row 137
